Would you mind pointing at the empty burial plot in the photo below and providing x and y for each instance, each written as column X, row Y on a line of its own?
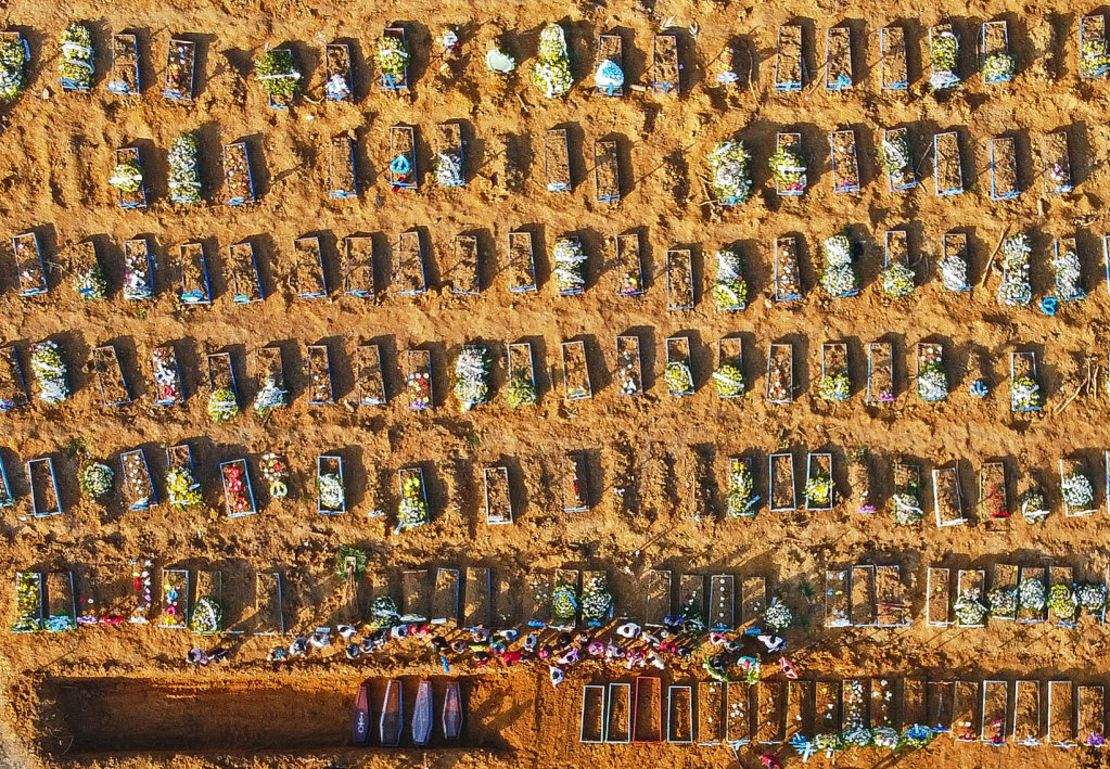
column 141, row 715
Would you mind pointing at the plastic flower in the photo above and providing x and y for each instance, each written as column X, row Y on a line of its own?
column 330, row 491
column 1068, row 275
column 564, row 602
column 678, row 378
column 729, row 381
column 840, row 281
column 739, row 499
column 1025, row 394
column 136, row 276
column 184, row 183
column 1062, row 601
column 448, row 170
column 969, row 610
column 998, row 67
column 898, row 280
column 338, row 86
column 907, row 504
column 1091, row 597
column 49, row 369
column 730, row 173
column 237, row 489
column 859, row 737
column 932, row 382
column 383, row 612
column 472, row 377
column 551, row 72
column 777, row 616
column 630, row 284
column 13, row 56
column 953, row 273
column 276, row 70
column 167, row 387
column 1034, row 506
column 76, row 63
column 413, row 510
column 597, row 601
column 1003, row 601
column 570, row 266
column 276, row 475
column 448, row 41
column 207, row 616
column 1031, row 595
column 521, row 391
column 96, row 480
column 269, row 397
column 628, row 377
column 1094, row 57
column 419, row 384
column 730, row 291
column 885, row 737
column 392, row 56
column 609, row 75
column 1076, row 491
column 839, row 277
column 896, row 155
column 127, row 177
column 788, row 169
column 944, row 50
column 28, row 602
column 835, row 386
column 828, row 743
column 819, row 490
column 838, row 250
column 1015, row 290
column 182, row 488
column 222, row 405
column 917, row 736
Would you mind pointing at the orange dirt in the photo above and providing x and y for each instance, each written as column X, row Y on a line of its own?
column 58, row 152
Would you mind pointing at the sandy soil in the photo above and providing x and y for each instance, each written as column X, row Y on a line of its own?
column 58, row 153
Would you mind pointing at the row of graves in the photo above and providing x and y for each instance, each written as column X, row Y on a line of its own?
column 996, row 61
column 369, row 266
column 566, row 598
column 1077, row 491
column 866, row 595
column 484, row 369
column 283, row 77
column 240, row 163
column 183, row 490
column 1031, row 594
column 992, row 502
column 189, row 598
column 728, row 164
column 871, row 595
column 790, row 164
column 276, row 69
column 830, row 716
column 788, row 485
column 253, row 602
